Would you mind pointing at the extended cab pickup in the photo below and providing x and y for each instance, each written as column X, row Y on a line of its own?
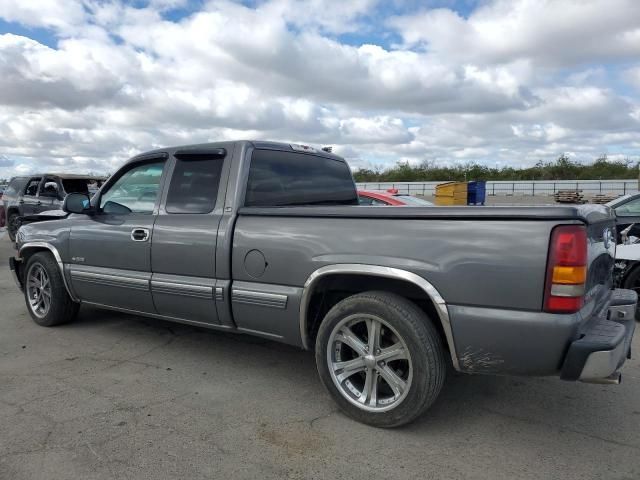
column 267, row 239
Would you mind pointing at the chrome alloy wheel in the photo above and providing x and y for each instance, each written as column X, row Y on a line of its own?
column 38, row 290
column 369, row 362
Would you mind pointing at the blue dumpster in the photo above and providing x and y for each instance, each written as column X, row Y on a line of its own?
column 476, row 192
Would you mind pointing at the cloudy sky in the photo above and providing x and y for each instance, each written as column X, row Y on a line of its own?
column 85, row 84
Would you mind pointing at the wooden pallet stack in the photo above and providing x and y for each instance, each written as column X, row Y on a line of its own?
column 603, row 198
column 569, row 196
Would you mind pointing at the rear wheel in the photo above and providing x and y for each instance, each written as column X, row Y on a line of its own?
column 13, row 224
column 380, row 358
column 45, row 294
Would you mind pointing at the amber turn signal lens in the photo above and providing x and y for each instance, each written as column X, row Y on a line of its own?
column 569, row 275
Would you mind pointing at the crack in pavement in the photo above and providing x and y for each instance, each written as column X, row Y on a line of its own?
column 568, row 429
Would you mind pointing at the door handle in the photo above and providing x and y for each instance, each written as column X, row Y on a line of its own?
column 39, row 203
column 140, row 234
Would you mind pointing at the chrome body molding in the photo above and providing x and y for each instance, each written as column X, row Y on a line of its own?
column 378, row 271
column 56, row 255
column 263, row 299
column 122, row 281
column 260, row 333
column 181, row 289
column 219, row 294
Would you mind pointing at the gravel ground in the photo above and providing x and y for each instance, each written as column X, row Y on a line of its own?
column 118, row 396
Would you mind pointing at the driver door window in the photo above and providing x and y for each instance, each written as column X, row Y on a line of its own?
column 135, row 191
column 30, row 198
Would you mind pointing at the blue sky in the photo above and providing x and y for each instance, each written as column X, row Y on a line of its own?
column 85, row 84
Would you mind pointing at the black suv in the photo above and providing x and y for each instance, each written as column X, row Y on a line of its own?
column 30, row 195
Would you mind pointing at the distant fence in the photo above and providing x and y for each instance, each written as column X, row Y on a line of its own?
column 536, row 187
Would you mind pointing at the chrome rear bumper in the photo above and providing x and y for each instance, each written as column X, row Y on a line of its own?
column 603, row 348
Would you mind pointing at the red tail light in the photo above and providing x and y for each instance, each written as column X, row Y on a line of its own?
column 566, row 269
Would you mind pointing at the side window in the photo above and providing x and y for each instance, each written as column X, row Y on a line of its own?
column 629, row 209
column 49, row 188
column 32, row 187
column 362, row 200
column 379, row 203
column 278, row 178
column 135, row 191
column 194, row 184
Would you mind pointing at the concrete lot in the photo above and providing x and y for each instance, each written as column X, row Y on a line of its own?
column 117, row 396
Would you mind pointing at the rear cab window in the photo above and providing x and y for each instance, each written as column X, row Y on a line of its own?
column 194, row 184
column 279, row 178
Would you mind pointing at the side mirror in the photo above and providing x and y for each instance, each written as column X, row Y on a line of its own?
column 77, row 203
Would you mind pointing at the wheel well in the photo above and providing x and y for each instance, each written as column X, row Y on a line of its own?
column 631, row 270
column 27, row 253
column 331, row 289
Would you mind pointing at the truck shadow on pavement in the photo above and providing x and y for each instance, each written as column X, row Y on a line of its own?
column 289, row 375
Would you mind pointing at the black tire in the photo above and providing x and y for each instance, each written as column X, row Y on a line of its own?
column 632, row 282
column 422, row 340
column 13, row 224
column 61, row 309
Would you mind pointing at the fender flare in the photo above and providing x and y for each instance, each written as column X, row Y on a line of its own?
column 56, row 255
column 378, row 271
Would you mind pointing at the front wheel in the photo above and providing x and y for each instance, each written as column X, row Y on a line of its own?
column 381, row 358
column 45, row 293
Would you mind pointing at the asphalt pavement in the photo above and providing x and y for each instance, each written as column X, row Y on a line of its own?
column 118, row 396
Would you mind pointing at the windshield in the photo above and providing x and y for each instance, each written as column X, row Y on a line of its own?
column 620, row 200
column 408, row 199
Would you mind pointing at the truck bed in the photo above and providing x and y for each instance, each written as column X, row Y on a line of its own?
column 585, row 213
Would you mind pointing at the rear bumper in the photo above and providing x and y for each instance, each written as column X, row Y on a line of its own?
column 15, row 265
column 512, row 342
column 605, row 343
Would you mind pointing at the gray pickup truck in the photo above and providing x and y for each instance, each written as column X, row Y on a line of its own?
column 267, row 239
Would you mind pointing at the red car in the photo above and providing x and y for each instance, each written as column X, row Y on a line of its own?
column 391, row 197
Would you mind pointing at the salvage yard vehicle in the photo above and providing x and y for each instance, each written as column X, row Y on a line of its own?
column 626, row 272
column 30, row 195
column 268, row 239
column 627, row 210
column 390, row 198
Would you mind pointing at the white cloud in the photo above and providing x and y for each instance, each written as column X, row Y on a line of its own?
column 555, row 33
column 506, row 85
column 44, row 13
